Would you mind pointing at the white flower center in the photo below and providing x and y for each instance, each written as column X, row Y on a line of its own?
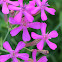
column 46, row 36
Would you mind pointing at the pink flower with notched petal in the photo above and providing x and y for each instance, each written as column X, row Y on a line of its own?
column 5, row 9
column 42, row 59
column 24, row 24
column 44, row 37
column 23, row 10
column 14, row 53
column 43, row 6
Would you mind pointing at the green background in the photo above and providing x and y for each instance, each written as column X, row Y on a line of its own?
column 54, row 22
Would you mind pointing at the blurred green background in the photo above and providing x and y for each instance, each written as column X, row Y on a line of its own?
column 53, row 23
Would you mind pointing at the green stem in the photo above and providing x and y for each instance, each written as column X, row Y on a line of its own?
column 4, row 50
column 6, row 36
column 28, row 49
column 57, row 27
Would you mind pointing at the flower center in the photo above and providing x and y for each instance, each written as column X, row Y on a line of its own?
column 24, row 22
column 23, row 8
column 44, row 5
column 46, row 36
column 13, row 54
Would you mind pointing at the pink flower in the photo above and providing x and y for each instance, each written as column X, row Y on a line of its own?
column 23, row 10
column 5, row 9
column 44, row 37
column 42, row 59
column 14, row 53
column 24, row 24
column 43, row 6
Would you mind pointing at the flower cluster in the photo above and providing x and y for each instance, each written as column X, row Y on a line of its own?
column 23, row 16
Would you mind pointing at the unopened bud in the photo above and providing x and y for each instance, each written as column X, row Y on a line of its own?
column 45, row 52
column 35, row 42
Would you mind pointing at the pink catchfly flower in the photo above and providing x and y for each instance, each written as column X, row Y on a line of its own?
column 44, row 37
column 43, row 6
column 42, row 59
column 4, row 3
column 24, row 24
column 23, row 10
column 14, row 53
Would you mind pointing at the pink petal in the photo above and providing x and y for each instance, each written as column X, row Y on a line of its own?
column 43, row 15
column 53, row 34
column 1, row 2
column 6, row 0
column 15, row 59
column 29, row 17
column 4, row 58
column 30, row 7
column 35, row 25
column 23, row 56
column 18, row 17
column 21, row 3
column 44, row 1
column 2, row 61
column 50, row 10
column 12, row 7
column 7, row 46
column 35, row 36
column 43, row 59
column 40, row 45
column 15, row 3
column 43, row 28
column 38, row 2
column 12, row 21
column 35, row 10
column 15, row 31
column 25, row 35
column 5, row 9
column 51, row 45
column 32, row 2
column 34, row 55
column 20, row 46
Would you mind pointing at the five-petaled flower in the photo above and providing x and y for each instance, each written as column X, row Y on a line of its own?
column 42, row 59
column 4, row 3
column 14, row 53
column 43, row 6
column 44, row 37
column 24, row 24
column 23, row 10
